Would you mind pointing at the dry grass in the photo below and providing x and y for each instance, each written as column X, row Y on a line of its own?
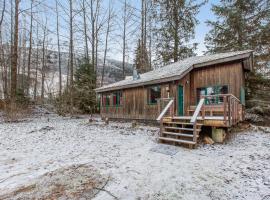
column 73, row 182
column 14, row 112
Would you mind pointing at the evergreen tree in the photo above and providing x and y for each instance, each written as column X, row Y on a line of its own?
column 241, row 25
column 84, row 85
column 174, row 28
column 141, row 58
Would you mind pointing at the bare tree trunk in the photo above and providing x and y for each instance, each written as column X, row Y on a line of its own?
column 2, row 14
column 43, row 62
column 106, row 42
column 85, row 33
column 2, row 51
column 71, row 55
column 59, row 52
column 15, row 55
column 124, row 39
column 37, row 63
column 30, row 51
column 150, row 35
column 23, row 56
column 93, row 33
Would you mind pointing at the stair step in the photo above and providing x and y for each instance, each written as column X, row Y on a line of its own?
column 184, row 123
column 179, row 134
column 184, row 129
column 185, row 118
column 176, row 140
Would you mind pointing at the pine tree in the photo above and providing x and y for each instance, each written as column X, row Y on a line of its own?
column 174, row 28
column 84, row 85
column 141, row 61
column 241, row 25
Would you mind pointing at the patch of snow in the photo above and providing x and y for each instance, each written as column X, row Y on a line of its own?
column 237, row 170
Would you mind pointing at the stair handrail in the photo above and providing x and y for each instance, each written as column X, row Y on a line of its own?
column 165, row 110
column 197, row 111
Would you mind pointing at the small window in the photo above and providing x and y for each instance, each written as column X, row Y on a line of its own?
column 154, row 93
column 106, row 100
column 117, row 98
column 212, row 90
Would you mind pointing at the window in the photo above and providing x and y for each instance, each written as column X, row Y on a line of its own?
column 106, row 100
column 154, row 93
column 117, row 98
column 212, row 90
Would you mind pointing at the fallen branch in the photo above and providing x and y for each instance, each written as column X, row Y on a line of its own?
column 11, row 177
column 102, row 189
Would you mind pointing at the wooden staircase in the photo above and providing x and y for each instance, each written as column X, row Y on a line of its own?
column 180, row 129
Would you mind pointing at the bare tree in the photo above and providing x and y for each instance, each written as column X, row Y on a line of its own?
column 2, row 14
column 92, row 32
column 85, row 31
column 15, row 54
column 43, row 61
column 30, row 50
column 37, row 64
column 110, row 15
column 58, row 47
column 125, row 20
column 71, row 53
column 4, row 80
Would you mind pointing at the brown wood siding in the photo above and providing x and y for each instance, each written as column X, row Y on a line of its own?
column 226, row 74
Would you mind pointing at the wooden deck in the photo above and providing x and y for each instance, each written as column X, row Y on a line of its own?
column 212, row 110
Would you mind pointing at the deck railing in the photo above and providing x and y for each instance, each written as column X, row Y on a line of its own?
column 199, row 109
column 226, row 105
column 166, row 108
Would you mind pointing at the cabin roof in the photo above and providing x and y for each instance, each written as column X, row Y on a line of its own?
column 177, row 70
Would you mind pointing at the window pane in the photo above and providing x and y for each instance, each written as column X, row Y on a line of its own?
column 107, row 100
column 212, row 90
column 117, row 98
column 154, row 94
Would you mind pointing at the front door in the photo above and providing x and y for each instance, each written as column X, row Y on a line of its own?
column 180, row 100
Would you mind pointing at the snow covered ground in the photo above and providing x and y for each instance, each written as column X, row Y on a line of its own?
column 239, row 169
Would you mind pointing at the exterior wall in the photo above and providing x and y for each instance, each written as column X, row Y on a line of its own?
column 227, row 74
column 135, row 103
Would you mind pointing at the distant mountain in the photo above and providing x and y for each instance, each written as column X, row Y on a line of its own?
column 113, row 68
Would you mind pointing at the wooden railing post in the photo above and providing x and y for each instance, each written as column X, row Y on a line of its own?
column 161, row 127
column 225, row 108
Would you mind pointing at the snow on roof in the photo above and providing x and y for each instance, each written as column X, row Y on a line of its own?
column 177, row 70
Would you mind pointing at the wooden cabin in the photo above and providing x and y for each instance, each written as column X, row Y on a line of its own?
column 184, row 96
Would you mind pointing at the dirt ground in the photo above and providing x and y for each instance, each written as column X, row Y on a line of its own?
column 52, row 157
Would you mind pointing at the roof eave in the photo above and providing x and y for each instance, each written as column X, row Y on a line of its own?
column 152, row 82
column 224, row 60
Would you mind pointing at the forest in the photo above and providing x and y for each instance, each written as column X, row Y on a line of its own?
column 58, row 52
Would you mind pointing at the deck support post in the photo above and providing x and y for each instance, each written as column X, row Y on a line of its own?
column 218, row 134
column 195, row 132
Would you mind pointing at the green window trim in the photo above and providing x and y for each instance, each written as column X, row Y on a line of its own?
column 243, row 96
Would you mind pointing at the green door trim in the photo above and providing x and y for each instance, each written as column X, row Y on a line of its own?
column 180, row 100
